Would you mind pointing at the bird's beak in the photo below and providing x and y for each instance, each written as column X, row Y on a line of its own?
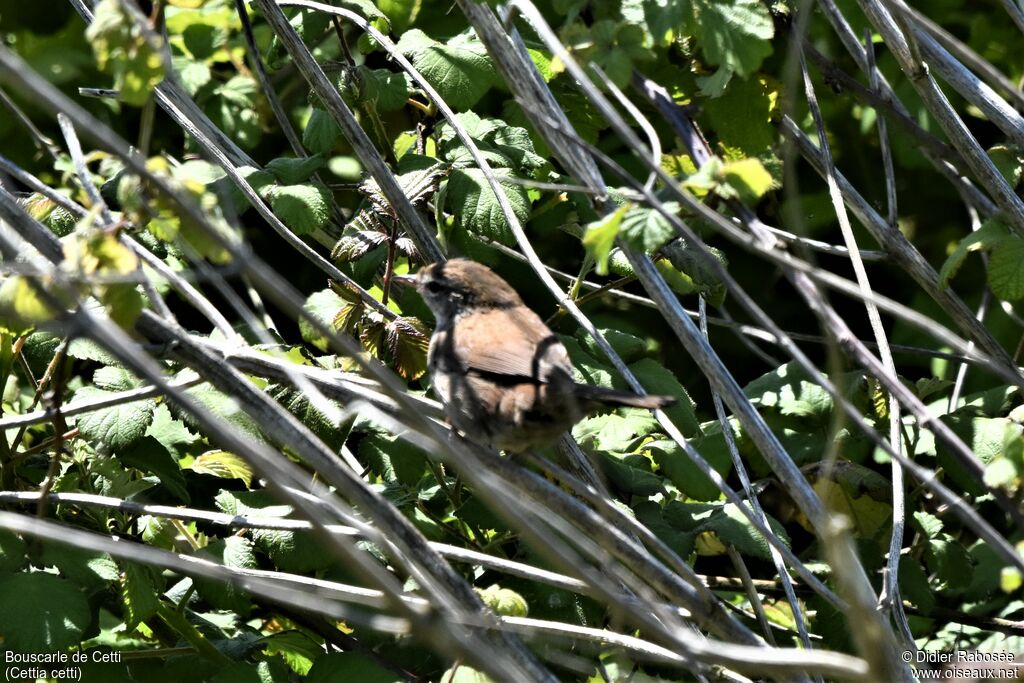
column 408, row 280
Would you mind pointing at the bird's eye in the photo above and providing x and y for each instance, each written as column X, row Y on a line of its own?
column 433, row 286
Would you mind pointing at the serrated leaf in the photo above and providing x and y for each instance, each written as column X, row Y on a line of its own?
column 408, row 342
column 950, row 561
column 645, row 229
column 224, row 465
column 92, row 570
column 734, row 34
column 233, row 551
column 700, row 274
column 631, row 474
column 173, row 434
column 460, row 70
column 138, row 595
column 987, row 236
column 296, row 648
column 150, row 456
column 1006, row 269
column 476, row 207
column 41, row 613
column 393, row 459
column 321, row 132
column 293, row 551
column 292, row 171
column 114, row 379
column 719, row 525
column 659, row 19
column 385, row 89
column 675, row 464
column 914, row 585
column 303, row 208
column 657, row 380
column 296, row 402
column 116, row 427
column 615, row 432
column 224, row 407
column 629, row 346
column 599, row 237
column 324, row 306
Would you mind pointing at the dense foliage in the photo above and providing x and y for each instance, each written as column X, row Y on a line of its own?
column 204, row 204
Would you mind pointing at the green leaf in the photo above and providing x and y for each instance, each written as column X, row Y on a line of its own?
column 986, row 237
column 296, row 402
column 741, row 116
column 696, row 271
column 460, row 70
column 151, row 456
column 293, row 551
column 12, row 552
column 224, row 465
column 346, row 168
column 116, row 427
column 324, row 306
column 950, row 561
column 321, row 132
column 717, row 524
column 233, row 551
column 499, row 143
column 92, row 570
column 675, row 464
column 393, row 459
column 734, row 34
column 114, row 379
column 1006, row 269
column 659, row 19
column 41, row 613
column 645, row 229
column 631, row 474
column 914, row 585
column 476, row 206
column 599, row 237
column 138, row 594
column 385, row 89
column 614, row 432
column 349, row 666
column 504, row 601
column 223, row 407
column 1009, row 161
column 296, row 648
column 748, row 178
column 303, row 208
column 171, row 433
column 657, row 380
column 121, row 48
column 21, row 307
column 292, row 171
column 788, row 390
column 988, row 438
column 629, row 346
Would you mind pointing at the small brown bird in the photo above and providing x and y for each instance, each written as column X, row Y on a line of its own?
column 505, row 379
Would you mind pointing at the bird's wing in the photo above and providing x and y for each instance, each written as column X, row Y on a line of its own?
column 510, row 342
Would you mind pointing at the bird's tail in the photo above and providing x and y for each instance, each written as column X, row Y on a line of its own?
column 598, row 396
